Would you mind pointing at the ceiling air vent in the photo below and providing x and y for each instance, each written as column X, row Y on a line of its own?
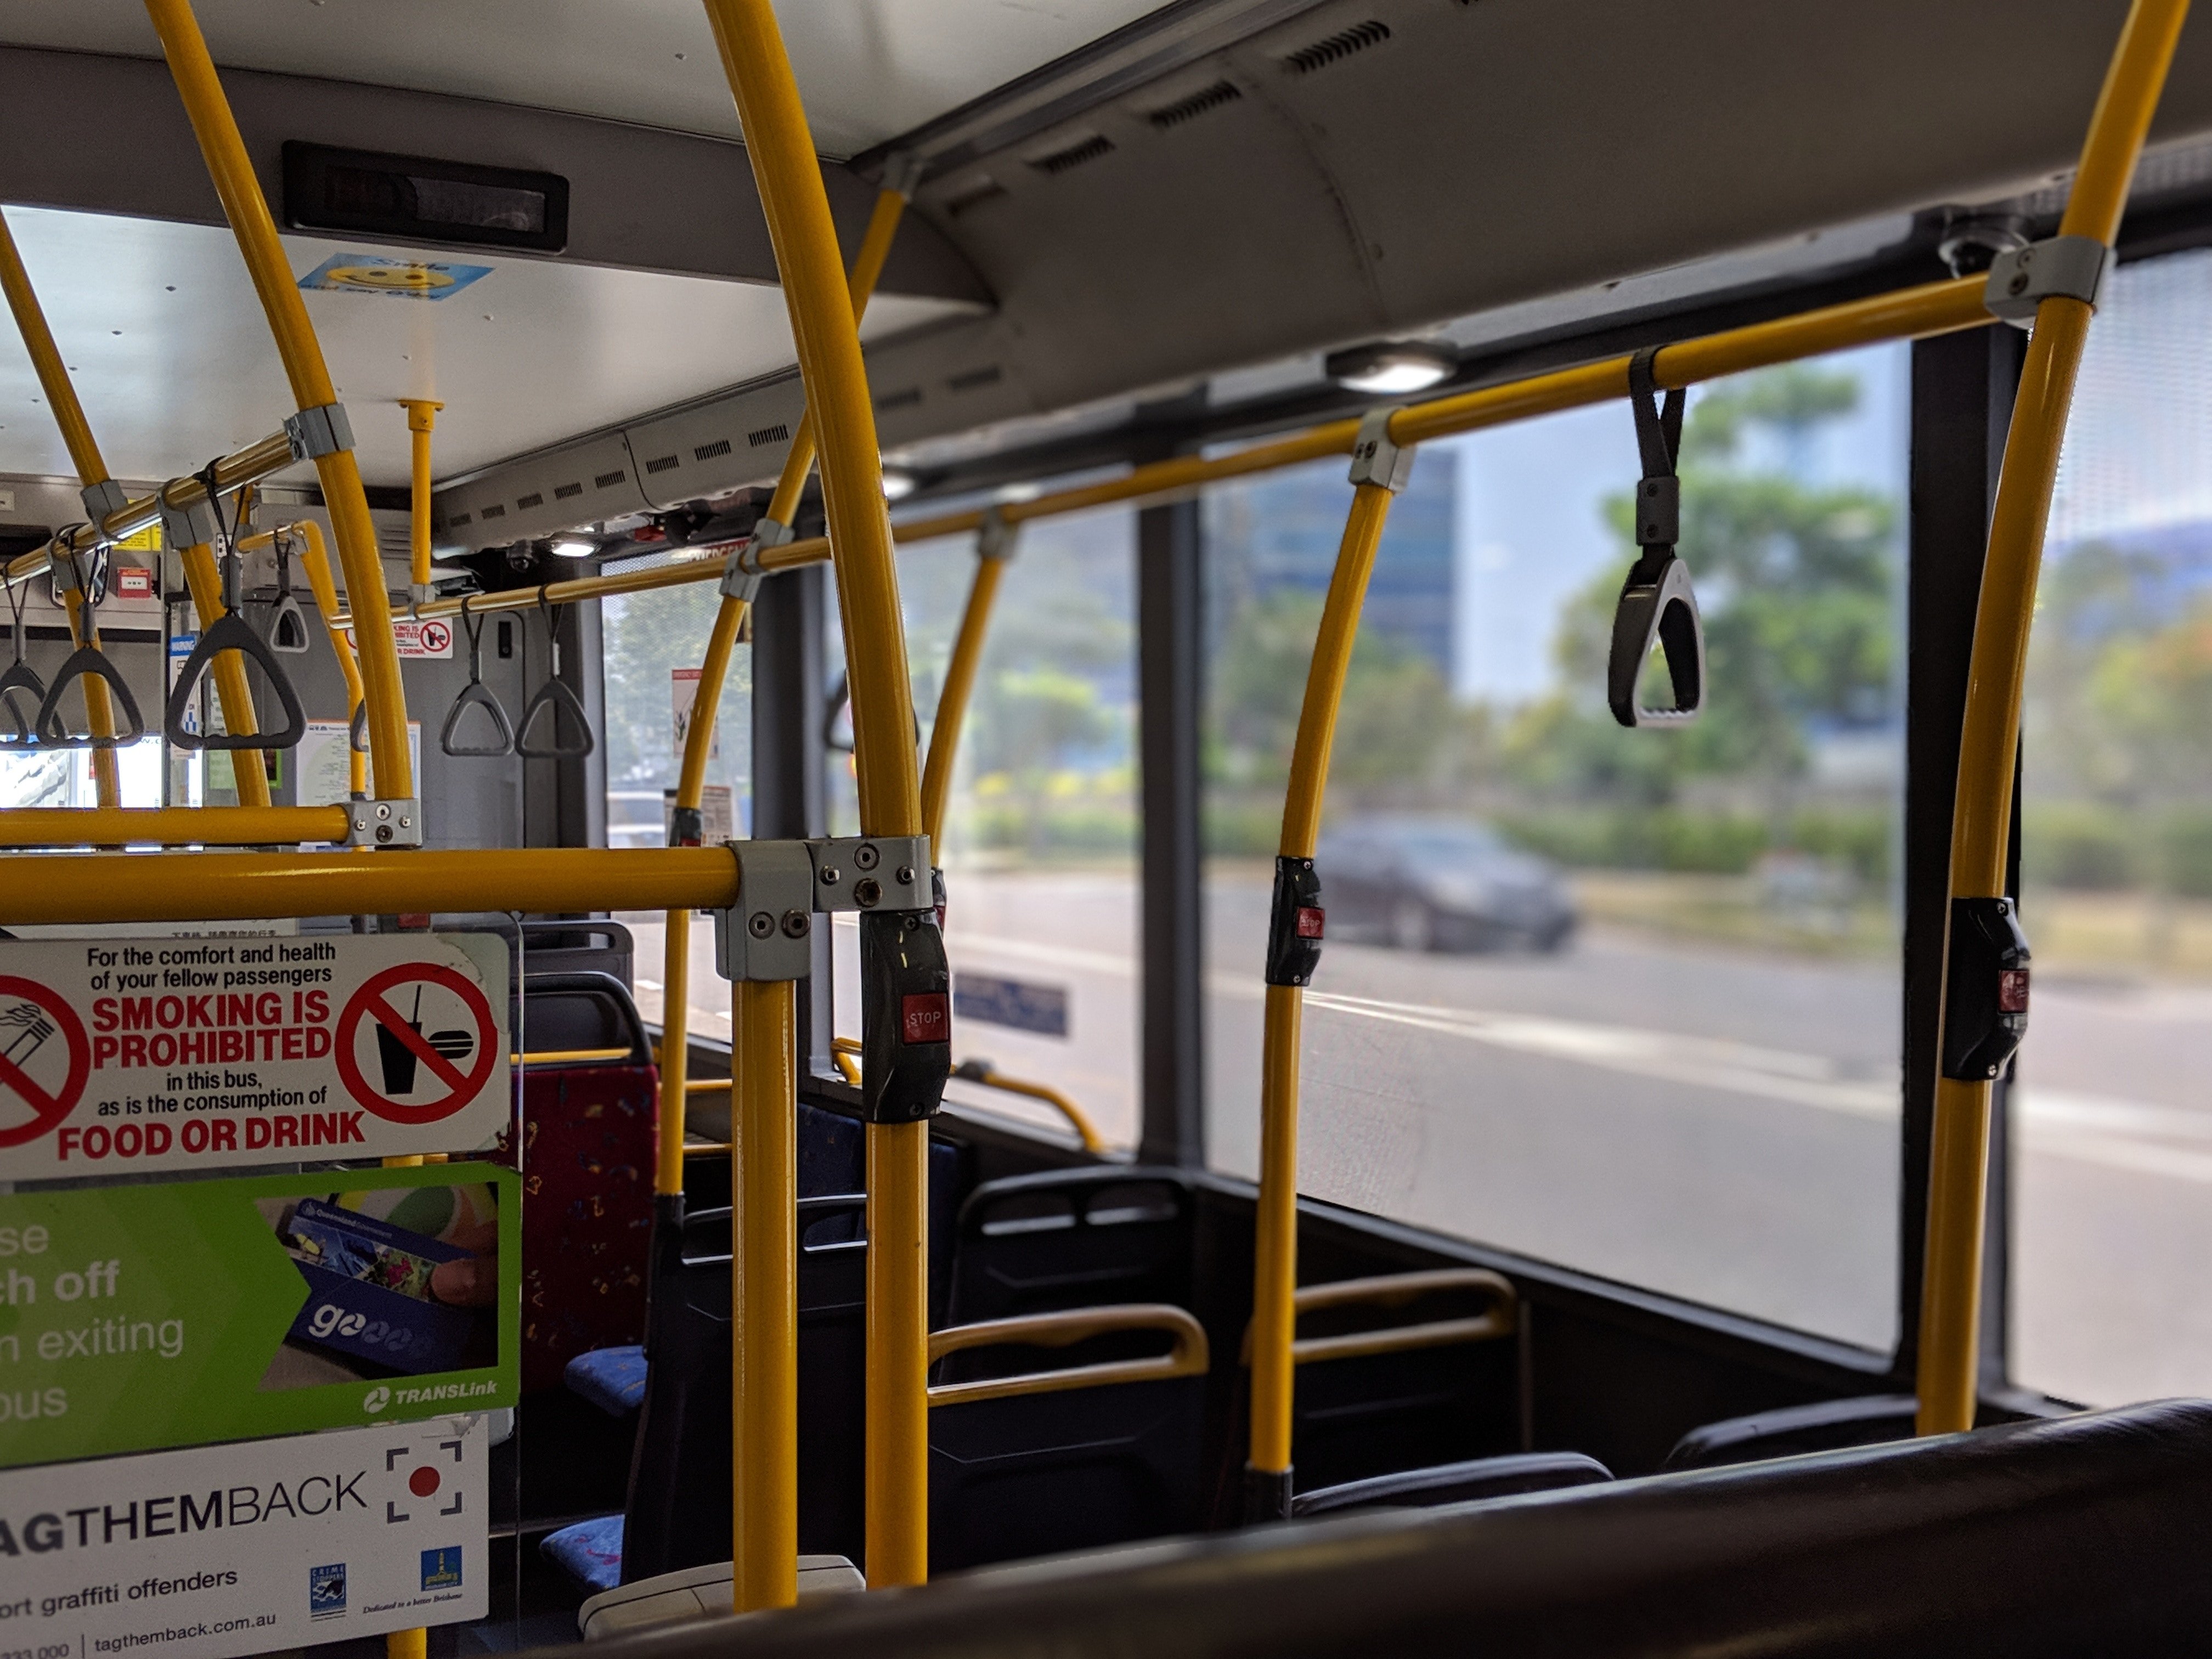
column 662, row 464
column 496, row 510
column 457, row 519
column 1088, row 148
column 710, row 452
column 563, row 492
column 533, row 499
column 778, row 434
column 1336, row 48
column 1184, row 109
column 906, row 399
column 972, row 378
column 606, row 480
column 973, row 194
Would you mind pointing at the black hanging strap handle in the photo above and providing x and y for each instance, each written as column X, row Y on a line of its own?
column 288, row 623
column 554, row 698
column 1657, row 604
column 476, row 694
column 230, row 632
column 20, row 681
column 87, row 661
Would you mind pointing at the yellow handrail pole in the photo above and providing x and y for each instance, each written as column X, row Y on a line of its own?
column 797, row 208
column 993, row 546
column 247, row 210
column 1950, row 1301
column 91, row 471
column 421, row 420
column 170, row 826
column 1275, row 1272
column 765, row 1333
column 706, row 709
column 88, row 887
column 317, row 563
column 231, row 685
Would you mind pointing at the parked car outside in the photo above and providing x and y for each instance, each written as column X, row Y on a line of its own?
column 1440, row 884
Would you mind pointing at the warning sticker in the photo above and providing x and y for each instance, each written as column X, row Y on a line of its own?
column 429, row 638
column 164, row 1053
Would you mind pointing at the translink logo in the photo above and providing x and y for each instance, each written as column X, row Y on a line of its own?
column 376, row 1399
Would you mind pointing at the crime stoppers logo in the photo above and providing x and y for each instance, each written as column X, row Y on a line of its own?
column 326, row 1591
column 376, row 1399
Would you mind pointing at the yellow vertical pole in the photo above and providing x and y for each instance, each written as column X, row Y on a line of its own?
column 318, row 564
column 797, row 208
column 1949, row 1361
column 1275, row 1249
column 765, row 1311
column 421, row 420
column 231, row 685
column 91, row 473
column 992, row 547
column 247, row 210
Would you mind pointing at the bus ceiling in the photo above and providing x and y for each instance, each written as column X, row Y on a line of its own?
column 1087, row 233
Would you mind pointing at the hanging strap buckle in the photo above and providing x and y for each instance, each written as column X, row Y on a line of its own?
column 1657, row 604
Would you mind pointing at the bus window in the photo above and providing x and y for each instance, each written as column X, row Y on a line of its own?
column 652, row 641
column 2112, row 1145
column 1040, row 847
column 1629, row 1000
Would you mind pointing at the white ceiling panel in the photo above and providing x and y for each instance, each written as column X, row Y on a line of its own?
column 174, row 363
column 869, row 70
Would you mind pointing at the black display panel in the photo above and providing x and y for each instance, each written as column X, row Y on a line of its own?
column 452, row 203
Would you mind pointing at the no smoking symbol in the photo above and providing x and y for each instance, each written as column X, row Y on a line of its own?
column 414, row 1076
column 45, row 1058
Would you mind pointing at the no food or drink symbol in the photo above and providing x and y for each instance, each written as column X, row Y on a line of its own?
column 44, row 1059
column 416, row 1043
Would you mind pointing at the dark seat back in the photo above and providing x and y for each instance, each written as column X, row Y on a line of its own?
column 679, row 1510
column 1046, row 1470
column 1074, row 1238
column 1826, row 1425
column 2082, row 1536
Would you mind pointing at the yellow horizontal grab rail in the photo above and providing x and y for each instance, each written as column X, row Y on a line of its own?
column 980, row 1072
column 1395, row 1290
column 707, row 1148
column 706, row 1085
column 1186, row 1358
column 170, row 826
column 1908, row 314
column 87, row 887
column 570, row 1057
column 249, row 466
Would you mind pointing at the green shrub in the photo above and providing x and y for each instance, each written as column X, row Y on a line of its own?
column 2086, row 845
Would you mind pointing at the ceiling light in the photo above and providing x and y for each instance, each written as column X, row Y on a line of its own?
column 1390, row 367
column 574, row 547
column 897, row 484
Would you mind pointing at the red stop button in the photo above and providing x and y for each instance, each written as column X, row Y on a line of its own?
column 925, row 1017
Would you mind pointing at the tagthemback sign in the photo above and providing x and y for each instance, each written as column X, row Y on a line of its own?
column 246, row 1548
column 123, row 1055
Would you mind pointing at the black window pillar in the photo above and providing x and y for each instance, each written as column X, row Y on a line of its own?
column 1170, row 546
column 790, row 685
column 1963, row 386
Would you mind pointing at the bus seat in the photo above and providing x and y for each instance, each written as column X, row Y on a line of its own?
column 1100, row 1451
column 1376, row 1398
column 1825, row 1425
column 589, row 1552
column 1470, row 1482
column 613, row 1379
column 679, row 1510
column 2068, row 1536
column 586, row 1164
column 1074, row 1238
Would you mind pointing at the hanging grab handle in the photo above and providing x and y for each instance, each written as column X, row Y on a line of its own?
column 21, row 688
column 476, row 694
column 552, row 700
column 1657, row 604
column 230, row 632
column 89, row 662
column 288, row 623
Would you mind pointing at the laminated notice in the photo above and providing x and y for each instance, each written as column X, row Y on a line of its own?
column 123, row 1055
